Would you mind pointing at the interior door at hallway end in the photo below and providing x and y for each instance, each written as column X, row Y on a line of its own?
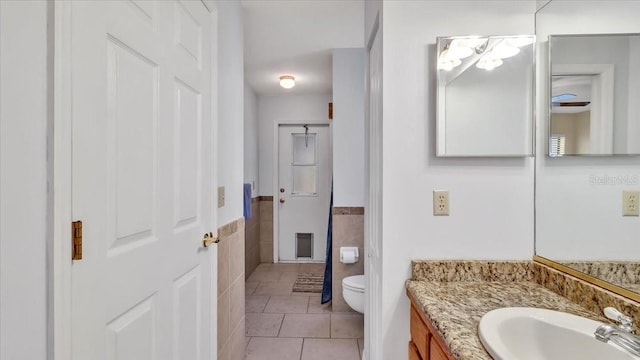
column 304, row 193
column 142, row 180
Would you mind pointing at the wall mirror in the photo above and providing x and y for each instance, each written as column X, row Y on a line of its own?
column 580, row 223
column 485, row 96
column 594, row 81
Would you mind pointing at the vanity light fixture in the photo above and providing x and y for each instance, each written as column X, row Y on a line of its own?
column 489, row 63
column 504, row 50
column 287, row 81
column 447, row 62
column 520, row 41
column 458, row 49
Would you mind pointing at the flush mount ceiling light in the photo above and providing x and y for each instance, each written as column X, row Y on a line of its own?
column 287, row 81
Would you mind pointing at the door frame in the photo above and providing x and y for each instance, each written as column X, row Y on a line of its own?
column 373, row 340
column 276, row 176
column 602, row 105
column 59, row 263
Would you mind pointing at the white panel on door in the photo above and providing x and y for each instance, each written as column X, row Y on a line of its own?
column 187, row 124
column 132, row 121
column 187, row 316
column 133, row 335
column 146, row 9
column 189, row 33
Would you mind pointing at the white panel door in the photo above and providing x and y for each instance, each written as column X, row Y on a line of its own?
column 304, row 177
column 142, row 180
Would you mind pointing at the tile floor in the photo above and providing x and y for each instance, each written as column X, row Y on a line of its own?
column 283, row 325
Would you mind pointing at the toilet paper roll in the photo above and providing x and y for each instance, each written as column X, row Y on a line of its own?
column 348, row 257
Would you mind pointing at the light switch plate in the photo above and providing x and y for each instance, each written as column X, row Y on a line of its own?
column 440, row 202
column 220, row 196
column 630, row 203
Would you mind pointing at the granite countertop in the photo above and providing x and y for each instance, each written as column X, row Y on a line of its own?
column 455, row 308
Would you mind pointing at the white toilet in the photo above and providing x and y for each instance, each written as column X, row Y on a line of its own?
column 353, row 292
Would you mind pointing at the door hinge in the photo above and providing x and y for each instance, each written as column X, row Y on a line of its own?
column 76, row 240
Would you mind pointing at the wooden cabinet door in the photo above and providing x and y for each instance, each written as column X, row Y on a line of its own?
column 419, row 334
column 413, row 352
column 436, row 352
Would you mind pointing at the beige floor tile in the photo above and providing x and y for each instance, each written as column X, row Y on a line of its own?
column 286, row 267
column 263, row 324
column 250, row 287
column 330, row 349
column 271, row 288
column 360, row 346
column 288, row 276
column 287, row 305
column 347, row 326
column 315, row 307
column 316, row 268
column 264, row 267
column 307, row 294
column 255, row 303
column 265, row 276
column 306, row 325
column 274, row 349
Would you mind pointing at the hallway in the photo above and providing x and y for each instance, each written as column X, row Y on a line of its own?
column 283, row 325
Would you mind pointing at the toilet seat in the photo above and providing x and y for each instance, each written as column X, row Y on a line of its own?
column 354, row 283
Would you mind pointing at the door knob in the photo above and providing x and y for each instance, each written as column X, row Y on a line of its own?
column 281, row 201
column 281, row 190
column 209, row 239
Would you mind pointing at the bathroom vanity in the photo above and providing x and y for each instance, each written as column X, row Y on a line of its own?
column 448, row 299
column 425, row 342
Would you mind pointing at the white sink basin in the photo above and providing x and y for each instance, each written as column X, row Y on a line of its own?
column 531, row 333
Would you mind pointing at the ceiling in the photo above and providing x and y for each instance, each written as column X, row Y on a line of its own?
column 295, row 37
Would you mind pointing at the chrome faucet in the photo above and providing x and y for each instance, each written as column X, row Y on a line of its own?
column 621, row 335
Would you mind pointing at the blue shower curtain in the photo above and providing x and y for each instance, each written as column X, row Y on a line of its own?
column 326, row 285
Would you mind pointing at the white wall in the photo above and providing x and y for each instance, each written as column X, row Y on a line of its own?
column 579, row 200
column 23, row 180
column 491, row 199
column 284, row 109
column 251, row 139
column 348, row 127
column 230, row 146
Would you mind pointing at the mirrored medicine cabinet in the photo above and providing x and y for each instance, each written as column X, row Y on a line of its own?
column 485, row 96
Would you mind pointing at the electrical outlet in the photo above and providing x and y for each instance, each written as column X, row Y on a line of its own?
column 220, row 196
column 630, row 203
column 441, row 202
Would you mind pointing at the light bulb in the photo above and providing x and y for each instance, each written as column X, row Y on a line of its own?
column 489, row 63
column 504, row 51
column 520, row 41
column 457, row 50
column 448, row 64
